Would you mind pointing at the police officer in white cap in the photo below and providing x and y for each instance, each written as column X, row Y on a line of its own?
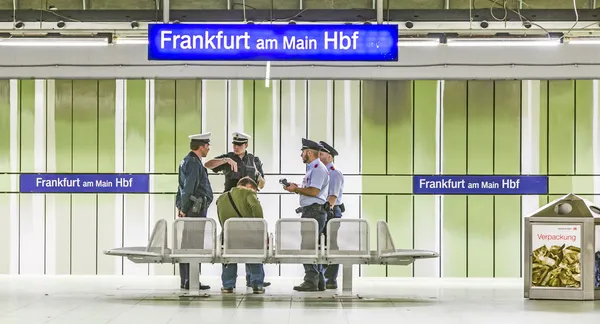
column 236, row 165
column 194, row 195
column 336, row 188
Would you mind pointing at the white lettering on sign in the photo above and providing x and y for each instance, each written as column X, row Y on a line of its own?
column 57, row 183
column 206, row 40
column 339, row 40
column 220, row 40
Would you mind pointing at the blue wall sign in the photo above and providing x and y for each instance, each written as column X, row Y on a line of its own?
column 266, row 42
column 480, row 185
column 84, row 183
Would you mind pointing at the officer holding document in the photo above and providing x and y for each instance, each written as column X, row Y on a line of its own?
column 334, row 198
column 313, row 199
column 194, row 195
column 238, row 163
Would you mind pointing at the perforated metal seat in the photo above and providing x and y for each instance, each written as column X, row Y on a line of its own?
column 245, row 238
column 194, row 237
column 296, row 239
column 386, row 250
column 348, row 239
column 155, row 251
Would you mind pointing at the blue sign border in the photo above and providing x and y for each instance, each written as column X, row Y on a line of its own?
column 383, row 49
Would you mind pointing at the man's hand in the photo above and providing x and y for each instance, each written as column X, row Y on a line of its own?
column 232, row 163
column 291, row 188
column 180, row 214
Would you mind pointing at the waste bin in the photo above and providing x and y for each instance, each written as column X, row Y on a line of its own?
column 562, row 250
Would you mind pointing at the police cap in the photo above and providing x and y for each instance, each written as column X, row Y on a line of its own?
column 204, row 137
column 240, row 138
column 310, row 145
column 328, row 148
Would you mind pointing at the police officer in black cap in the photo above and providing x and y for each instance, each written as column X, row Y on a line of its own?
column 313, row 196
column 236, row 165
column 194, row 195
column 336, row 188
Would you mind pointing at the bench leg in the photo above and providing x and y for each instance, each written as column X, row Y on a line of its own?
column 347, row 274
column 194, row 282
column 194, row 276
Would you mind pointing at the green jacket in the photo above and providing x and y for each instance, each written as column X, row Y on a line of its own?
column 246, row 202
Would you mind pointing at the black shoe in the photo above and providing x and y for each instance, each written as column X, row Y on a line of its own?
column 202, row 287
column 227, row 290
column 331, row 285
column 265, row 284
column 321, row 285
column 306, row 287
column 258, row 290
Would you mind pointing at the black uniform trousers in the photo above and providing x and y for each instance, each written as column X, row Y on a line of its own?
column 195, row 241
column 313, row 273
column 331, row 270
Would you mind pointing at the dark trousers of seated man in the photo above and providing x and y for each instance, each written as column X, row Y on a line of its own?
column 191, row 238
column 313, row 273
column 331, row 270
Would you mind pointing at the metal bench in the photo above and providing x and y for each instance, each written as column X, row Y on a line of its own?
column 247, row 240
column 156, row 251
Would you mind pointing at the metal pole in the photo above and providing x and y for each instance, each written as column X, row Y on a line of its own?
column 166, row 11
column 379, row 8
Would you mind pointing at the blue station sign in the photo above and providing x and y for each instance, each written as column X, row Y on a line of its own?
column 479, row 185
column 267, row 42
column 84, row 183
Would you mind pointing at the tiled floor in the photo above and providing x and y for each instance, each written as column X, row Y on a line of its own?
column 152, row 300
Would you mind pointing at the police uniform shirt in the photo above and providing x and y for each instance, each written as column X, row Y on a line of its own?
column 245, row 165
column 336, row 183
column 193, row 180
column 316, row 177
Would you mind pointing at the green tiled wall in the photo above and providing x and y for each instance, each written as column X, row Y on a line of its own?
column 384, row 131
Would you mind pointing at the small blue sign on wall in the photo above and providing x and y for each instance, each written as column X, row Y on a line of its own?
column 480, row 185
column 267, row 42
column 84, row 183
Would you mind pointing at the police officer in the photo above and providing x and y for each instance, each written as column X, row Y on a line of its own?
column 194, row 195
column 336, row 187
column 313, row 195
column 238, row 164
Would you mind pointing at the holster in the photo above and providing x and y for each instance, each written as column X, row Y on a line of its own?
column 320, row 208
column 330, row 214
column 199, row 204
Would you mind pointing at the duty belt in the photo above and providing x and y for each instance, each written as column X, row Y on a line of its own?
column 313, row 206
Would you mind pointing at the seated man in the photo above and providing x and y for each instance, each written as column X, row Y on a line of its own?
column 241, row 201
